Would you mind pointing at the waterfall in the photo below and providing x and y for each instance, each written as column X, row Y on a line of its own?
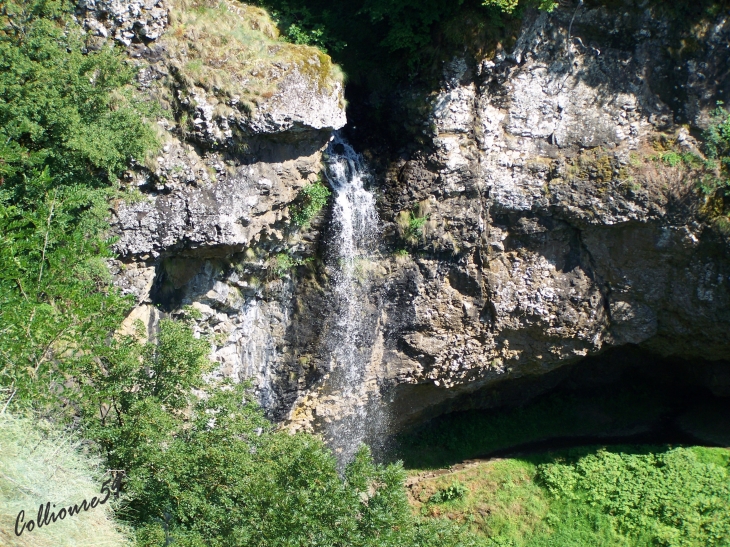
column 356, row 414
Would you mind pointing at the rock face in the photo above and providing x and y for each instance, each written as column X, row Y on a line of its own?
column 552, row 234
column 226, row 205
column 206, row 221
column 124, row 20
column 540, row 225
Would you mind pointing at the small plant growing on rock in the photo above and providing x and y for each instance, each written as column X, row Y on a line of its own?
column 415, row 225
column 285, row 262
column 312, row 199
column 411, row 223
column 716, row 184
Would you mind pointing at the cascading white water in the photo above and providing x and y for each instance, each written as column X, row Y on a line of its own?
column 355, row 226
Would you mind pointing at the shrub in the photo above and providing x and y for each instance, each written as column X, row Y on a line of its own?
column 57, row 307
column 284, row 262
column 62, row 108
column 311, row 200
column 717, row 135
column 228, row 478
column 454, row 491
column 671, row 498
column 68, row 126
column 716, row 184
column 415, row 226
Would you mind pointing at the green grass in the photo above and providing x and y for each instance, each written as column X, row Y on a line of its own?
column 233, row 49
column 632, row 496
column 39, row 464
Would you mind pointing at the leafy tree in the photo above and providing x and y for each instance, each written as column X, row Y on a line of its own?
column 56, row 304
column 67, row 128
column 380, row 38
column 62, row 107
column 210, row 470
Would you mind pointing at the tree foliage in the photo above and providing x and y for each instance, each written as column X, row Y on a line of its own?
column 716, row 184
column 56, row 304
column 67, row 128
column 62, row 107
column 389, row 40
column 210, row 470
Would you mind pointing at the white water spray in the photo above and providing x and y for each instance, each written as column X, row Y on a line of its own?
column 355, row 223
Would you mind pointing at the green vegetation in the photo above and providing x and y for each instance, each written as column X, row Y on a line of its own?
column 716, row 184
column 56, row 304
column 411, row 223
column 666, row 498
column 717, row 136
column 415, row 226
column 673, row 158
column 621, row 496
column 712, row 172
column 61, row 108
column 38, row 464
column 68, row 127
column 454, row 491
column 233, row 49
column 284, row 262
column 311, row 200
column 201, row 464
column 509, row 6
column 382, row 41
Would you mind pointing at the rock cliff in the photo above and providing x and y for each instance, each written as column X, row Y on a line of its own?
column 539, row 224
column 553, row 232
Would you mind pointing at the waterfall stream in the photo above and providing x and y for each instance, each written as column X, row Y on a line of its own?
column 356, row 415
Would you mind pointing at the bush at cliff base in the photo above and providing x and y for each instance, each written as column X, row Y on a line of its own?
column 39, row 464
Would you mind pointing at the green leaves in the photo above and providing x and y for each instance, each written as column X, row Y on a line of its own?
column 717, row 135
column 670, row 498
column 508, row 6
column 454, row 491
column 62, row 108
column 226, row 478
column 56, row 306
column 716, row 184
column 67, row 126
column 312, row 198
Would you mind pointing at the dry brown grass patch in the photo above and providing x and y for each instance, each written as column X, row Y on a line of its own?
column 234, row 50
